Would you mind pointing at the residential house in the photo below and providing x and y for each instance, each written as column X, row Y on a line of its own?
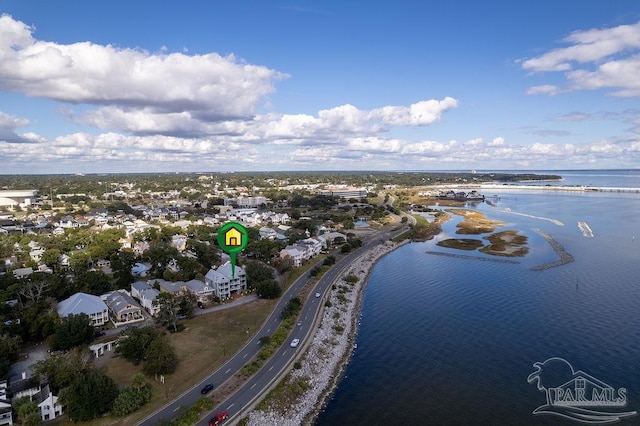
column 203, row 292
column 58, row 231
column 334, row 238
column 179, row 242
column 296, row 255
column 140, row 270
column 140, row 247
column 174, row 288
column 310, row 246
column 125, row 243
column 103, row 263
column 223, row 283
column 6, row 417
column 36, row 253
column 122, row 308
column 21, row 273
column 47, row 403
column 146, row 294
column 267, row 233
column 64, row 260
column 83, row 303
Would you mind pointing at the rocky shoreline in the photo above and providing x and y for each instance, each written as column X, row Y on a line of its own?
column 330, row 349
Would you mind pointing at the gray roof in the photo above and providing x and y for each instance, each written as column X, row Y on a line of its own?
column 225, row 270
column 81, row 303
column 197, row 286
column 121, row 302
column 141, row 286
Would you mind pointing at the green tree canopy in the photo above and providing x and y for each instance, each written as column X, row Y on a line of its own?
column 89, row 396
column 74, row 330
column 268, row 289
column 133, row 343
column 161, row 357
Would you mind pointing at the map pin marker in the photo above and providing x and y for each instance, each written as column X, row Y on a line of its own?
column 232, row 239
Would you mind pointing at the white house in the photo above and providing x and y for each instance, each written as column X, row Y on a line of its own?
column 294, row 253
column 6, row 417
column 267, row 233
column 222, row 282
column 48, row 404
column 146, row 294
column 83, row 303
column 179, row 242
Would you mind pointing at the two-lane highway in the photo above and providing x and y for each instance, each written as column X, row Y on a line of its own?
column 270, row 371
column 259, row 384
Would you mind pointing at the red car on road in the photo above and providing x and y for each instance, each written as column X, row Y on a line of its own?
column 219, row 418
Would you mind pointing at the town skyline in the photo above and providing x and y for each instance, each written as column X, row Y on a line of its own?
column 114, row 87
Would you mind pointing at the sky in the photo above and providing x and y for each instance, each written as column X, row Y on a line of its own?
column 252, row 85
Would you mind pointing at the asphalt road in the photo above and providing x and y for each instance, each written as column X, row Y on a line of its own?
column 260, row 382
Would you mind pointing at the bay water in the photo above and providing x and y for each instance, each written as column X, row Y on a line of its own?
column 451, row 340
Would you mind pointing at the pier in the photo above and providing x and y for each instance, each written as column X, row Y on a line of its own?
column 557, row 188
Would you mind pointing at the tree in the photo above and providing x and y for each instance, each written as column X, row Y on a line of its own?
column 27, row 411
column 133, row 343
column 283, row 264
column 121, row 264
column 169, row 307
column 187, row 303
column 95, row 282
column 60, row 370
column 257, row 272
column 9, row 350
column 50, row 257
column 74, row 330
column 161, row 358
column 268, row 289
column 133, row 397
column 292, row 308
column 89, row 396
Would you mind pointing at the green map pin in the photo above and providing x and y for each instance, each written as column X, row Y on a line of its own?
column 232, row 239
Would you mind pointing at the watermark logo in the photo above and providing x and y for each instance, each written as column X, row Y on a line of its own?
column 577, row 395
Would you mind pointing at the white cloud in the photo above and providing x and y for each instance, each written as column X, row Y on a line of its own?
column 499, row 141
column 209, row 86
column 587, row 46
column 8, row 125
column 613, row 51
column 545, row 89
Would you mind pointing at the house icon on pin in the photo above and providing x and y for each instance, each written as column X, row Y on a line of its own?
column 233, row 238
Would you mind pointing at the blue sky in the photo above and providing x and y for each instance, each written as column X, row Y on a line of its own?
column 136, row 86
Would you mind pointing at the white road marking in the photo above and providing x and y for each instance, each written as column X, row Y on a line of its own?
column 227, row 372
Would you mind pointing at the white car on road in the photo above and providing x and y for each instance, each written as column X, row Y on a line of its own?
column 294, row 343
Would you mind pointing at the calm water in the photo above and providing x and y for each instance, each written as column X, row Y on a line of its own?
column 445, row 340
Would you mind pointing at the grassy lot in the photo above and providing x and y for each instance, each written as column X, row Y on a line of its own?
column 205, row 344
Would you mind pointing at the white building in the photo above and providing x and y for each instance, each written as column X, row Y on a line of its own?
column 83, row 303
column 344, row 192
column 6, row 417
column 21, row 199
column 267, row 233
column 146, row 294
column 224, row 286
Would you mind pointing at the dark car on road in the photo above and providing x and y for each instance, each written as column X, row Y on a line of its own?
column 207, row 388
column 218, row 418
